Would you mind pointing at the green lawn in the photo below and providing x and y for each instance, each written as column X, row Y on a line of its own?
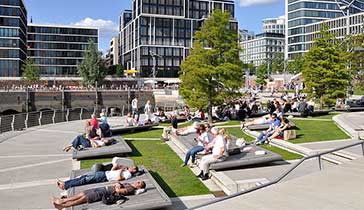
column 314, row 131
column 153, row 133
column 286, row 155
column 164, row 166
column 329, row 116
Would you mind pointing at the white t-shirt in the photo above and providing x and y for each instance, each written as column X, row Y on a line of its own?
column 204, row 137
column 219, row 143
column 114, row 175
column 99, row 143
column 134, row 103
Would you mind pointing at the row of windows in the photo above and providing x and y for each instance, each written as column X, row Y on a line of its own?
column 63, row 54
column 296, row 39
column 58, row 70
column 302, row 21
column 6, row 53
column 57, row 30
column 164, row 2
column 313, row 5
column 9, row 32
column 40, row 45
column 48, row 61
column 163, row 10
column 296, row 31
column 9, row 42
column 9, row 68
column 12, row 2
column 309, row 13
column 10, row 11
column 58, row 38
column 165, row 72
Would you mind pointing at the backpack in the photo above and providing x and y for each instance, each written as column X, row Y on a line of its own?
column 110, row 199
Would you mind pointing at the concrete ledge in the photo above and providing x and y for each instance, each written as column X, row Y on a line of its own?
column 249, row 183
column 224, row 182
column 293, row 147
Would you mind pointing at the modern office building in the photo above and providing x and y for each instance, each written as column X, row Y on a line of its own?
column 342, row 26
column 13, row 38
column 112, row 56
column 57, row 49
column 159, row 34
column 301, row 13
column 246, row 34
column 274, row 25
column 262, row 49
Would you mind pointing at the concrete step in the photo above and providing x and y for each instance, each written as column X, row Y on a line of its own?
column 335, row 159
column 347, row 155
column 230, row 186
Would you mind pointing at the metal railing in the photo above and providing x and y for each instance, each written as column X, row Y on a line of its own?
column 284, row 175
column 23, row 121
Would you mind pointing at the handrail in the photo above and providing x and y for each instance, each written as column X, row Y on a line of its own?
column 285, row 174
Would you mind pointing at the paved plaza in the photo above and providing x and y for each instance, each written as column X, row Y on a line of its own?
column 32, row 160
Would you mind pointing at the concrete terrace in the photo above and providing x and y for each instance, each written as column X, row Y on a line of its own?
column 31, row 160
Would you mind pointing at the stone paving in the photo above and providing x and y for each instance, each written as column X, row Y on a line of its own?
column 31, row 160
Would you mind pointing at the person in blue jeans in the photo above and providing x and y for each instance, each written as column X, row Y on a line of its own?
column 274, row 124
column 117, row 173
column 202, row 141
column 81, row 140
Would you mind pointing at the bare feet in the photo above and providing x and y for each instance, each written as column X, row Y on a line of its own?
column 60, row 184
column 57, row 203
column 67, row 148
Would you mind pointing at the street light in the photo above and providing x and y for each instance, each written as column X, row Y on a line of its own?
column 154, row 55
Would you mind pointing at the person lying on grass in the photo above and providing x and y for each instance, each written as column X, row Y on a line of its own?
column 117, row 173
column 97, row 194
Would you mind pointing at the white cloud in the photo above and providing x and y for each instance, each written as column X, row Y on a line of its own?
column 107, row 28
column 246, row 3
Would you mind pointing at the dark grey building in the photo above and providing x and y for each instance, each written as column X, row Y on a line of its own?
column 13, row 39
column 58, row 49
column 156, row 35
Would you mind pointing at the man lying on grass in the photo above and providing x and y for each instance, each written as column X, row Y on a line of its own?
column 98, row 194
column 117, row 173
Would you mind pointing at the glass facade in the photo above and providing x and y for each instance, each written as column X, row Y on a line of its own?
column 13, row 29
column 57, row 50
column 302, row 13
column 160, row 33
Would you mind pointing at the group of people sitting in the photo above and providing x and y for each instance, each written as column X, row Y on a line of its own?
column 112, row 173
column 277, row 126
column 212, row 143
column 97, row 134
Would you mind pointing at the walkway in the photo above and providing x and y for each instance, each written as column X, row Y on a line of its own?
column 336, row 188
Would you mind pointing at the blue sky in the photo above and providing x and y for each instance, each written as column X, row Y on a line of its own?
column 104, row 13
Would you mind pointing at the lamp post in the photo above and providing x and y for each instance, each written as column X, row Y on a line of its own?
column 154, row 69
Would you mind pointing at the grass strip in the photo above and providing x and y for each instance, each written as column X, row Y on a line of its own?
column 164, row 165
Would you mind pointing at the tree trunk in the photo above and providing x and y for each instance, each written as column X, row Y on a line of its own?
column 321, row 102
column 209, row 106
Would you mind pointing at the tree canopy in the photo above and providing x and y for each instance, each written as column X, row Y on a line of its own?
column 324, row 72
column 262, row 74
column 213, row 71
column 92, row 69
column 296, row 65
column 30, row 71
column 278, row 63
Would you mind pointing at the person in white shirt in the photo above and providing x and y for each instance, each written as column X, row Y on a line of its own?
column 117, row 173
column 218, row 154
column 129, row 121
column 202, row 141
column 148, row 111
column 134, row 107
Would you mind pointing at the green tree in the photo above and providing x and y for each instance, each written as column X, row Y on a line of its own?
column 295, row 66
column 92, row 69
column 213, row 71
column 278, row 63
column 262, row 74
column 355, row 44
column 324, row 72
column 30, row 71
